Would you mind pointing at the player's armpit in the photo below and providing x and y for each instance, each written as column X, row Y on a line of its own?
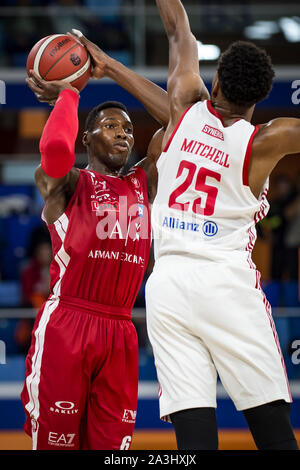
column 49, row 187
column 56, row 192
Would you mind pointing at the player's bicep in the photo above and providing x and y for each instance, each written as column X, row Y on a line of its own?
column 285, row 135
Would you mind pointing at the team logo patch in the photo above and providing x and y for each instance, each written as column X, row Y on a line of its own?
column 105, row 206
column 75, row 59
column 136, row 182
column 210, row 229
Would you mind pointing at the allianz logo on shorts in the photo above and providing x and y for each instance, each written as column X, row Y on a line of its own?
column 64, row 408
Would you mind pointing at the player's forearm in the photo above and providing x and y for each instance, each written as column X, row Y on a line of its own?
column 59, row 135
column 152, row 97
column 183, row 53
column 173, row 16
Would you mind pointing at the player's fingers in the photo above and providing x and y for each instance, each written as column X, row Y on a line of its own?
column 37, row 91
column 85, row 41
column 39, row 81
column 33, row 86
column 79, row 36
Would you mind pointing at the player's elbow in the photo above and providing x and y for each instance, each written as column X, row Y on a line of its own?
column 57, row 158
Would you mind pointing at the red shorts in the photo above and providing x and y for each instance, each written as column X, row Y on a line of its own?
column 81, row 384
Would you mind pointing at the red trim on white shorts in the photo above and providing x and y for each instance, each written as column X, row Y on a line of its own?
column 252, row 238
column 275, row 335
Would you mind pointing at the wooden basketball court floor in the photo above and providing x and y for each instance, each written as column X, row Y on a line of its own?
column 147, row 440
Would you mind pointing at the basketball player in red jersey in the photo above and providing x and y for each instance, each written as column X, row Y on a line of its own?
column 212, row 317
column 81, row 383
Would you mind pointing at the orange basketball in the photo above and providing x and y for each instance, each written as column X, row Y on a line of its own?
column 60, row 57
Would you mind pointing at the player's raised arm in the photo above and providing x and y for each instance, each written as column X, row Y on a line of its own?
column 274, row 140
column 286, row 133
column 56, row 174
column 152, row 97
column 185, row 85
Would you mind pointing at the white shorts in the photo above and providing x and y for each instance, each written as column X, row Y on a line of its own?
column 208, row 318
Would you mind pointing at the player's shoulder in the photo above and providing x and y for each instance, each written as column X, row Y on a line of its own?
column 136, row 176
column 275, row 127
column 136, row 171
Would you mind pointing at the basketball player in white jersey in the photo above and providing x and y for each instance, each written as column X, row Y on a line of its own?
column 206, row 312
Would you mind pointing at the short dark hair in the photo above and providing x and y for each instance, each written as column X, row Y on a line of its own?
column 94, row 113
column 245, row 74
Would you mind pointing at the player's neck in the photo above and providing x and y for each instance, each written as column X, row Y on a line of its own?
column 230, row 112
column 102, row 168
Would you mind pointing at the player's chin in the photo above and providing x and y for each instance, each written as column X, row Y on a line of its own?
column 119, row 159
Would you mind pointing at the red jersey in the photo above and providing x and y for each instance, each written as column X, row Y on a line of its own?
column 101, row 243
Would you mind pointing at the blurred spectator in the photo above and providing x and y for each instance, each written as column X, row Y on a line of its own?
column 35, row 285
column 39, row 235
column 276, row 223
column 292, row 236
column 63, row 22
column 22, row 32
column 35, row 278
column 112, row 7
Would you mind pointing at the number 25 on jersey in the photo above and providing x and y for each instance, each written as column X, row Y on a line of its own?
column 200, row 185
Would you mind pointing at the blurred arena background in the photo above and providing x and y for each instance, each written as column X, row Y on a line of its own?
column 131, row 31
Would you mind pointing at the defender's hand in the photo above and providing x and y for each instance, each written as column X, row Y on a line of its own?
column 100, row 60
column 47, row 91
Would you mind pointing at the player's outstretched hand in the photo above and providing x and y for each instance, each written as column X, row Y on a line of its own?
column 47, row 91
column 100, row 60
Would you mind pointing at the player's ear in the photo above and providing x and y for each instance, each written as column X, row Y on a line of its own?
column 215, row 86
column 86, row 138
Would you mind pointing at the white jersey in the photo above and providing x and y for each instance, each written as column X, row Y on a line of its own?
column 204, row 204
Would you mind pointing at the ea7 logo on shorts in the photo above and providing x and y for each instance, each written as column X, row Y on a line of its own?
column 64, row 408
column 129, row 416
column 61, row 440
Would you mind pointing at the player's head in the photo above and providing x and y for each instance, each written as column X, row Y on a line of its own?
column 244, row 74
column 109, row 134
